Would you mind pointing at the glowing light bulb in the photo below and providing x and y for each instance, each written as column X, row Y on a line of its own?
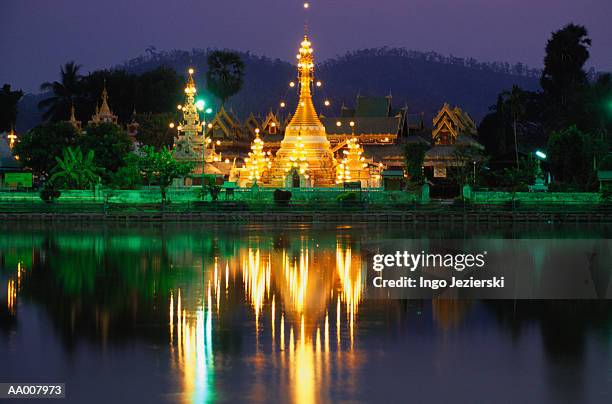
column 218, row 142
column 319, row 84
column 171, row 125
column 338, row 124
column 179, row 107
column 306, row 5
column 352, row 124
column 327, row 103
column 191, row 71
column 282, row 104
column 292, row 84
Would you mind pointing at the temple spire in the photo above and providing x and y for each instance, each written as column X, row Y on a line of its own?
column 104, row 108
column 305, row 113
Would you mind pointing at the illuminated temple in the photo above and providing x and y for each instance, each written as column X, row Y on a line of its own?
column 305, row 157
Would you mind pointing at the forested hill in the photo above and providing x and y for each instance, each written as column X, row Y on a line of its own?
column 423, row 81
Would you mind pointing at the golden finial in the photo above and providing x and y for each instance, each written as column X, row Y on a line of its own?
column 104, row 92
column 191, row 88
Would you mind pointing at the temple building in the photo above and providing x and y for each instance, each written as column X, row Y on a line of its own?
column 453, row 131
column 9, row 164
column 194, row 146
column 374, row 121
column 305, row 157
column 103, row 113
column 454, row 144
column 233, row 137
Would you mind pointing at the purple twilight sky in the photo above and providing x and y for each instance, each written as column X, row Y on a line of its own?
column 39, row 35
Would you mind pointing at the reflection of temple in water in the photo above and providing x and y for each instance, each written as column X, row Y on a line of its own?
column 285, row 306
column 304, row 300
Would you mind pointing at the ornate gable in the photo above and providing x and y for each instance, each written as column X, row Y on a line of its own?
column 251, row 124
column 271, row 125
column 225, row 126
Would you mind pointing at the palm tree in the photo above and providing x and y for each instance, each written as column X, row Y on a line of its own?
column 64, row 93
column 515, row 101
column 75, row 171
column 225, row 74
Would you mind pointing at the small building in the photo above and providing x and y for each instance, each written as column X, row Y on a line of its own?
column 393, row 180
column 454, row 145
column 12, row 173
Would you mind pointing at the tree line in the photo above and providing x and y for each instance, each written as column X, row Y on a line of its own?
column 569, row 119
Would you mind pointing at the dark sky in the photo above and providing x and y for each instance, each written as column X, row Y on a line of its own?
column 36, row 36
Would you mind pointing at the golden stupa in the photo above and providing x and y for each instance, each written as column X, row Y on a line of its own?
column 305, row 158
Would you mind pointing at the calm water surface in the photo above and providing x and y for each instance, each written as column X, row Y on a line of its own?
column 199, row 313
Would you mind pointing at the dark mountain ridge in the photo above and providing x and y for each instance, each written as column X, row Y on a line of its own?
column 422, row 81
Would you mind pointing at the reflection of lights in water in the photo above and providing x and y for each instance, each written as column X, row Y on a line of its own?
column 291, row 298
column 296, row 275
column 12, row 288
column 194, row 349
column 256, row 276
column 11, row 295
column 351, row 285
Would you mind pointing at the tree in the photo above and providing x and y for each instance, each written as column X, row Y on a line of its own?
column 161, row 168
column 600, row 108
column 414, row 155
column 8, row 107
column 225, row 74
column 64, row 93
column 128, row 176
column 571, row 153
column 39, row 147
column 564, row 79
column 515, row 102
column 109, row 143
column 155, row 91
column 75, row 170
column 153, row 129
column 518, row 179
column 471, row 164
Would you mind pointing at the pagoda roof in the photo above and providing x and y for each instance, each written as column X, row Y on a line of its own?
column 384, row 152
column 372, row 106
column 363, row 125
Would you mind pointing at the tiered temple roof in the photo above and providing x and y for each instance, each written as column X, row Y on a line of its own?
column 103, row 113
column 374, row 119
column 450, row 123
column 453, row 131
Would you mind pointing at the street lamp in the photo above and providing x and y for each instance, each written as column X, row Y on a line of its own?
column 540, row 154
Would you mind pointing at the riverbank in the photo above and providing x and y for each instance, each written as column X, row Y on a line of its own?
column 451, row 214
column 307, row 206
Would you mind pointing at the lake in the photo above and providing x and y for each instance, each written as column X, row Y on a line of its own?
column 250, row 313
